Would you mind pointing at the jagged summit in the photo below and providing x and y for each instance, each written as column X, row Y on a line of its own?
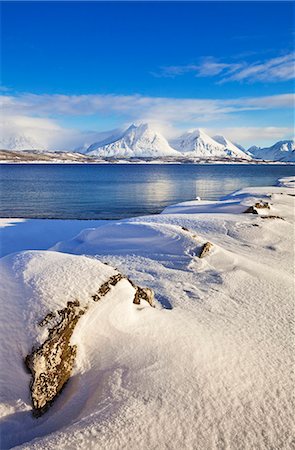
column 233, row 149
column 281, row 151
column 252, row 150
column 136, row 141
column 198, row 143
column 144, row 141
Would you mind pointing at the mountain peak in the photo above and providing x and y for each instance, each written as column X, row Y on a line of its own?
column 20, row 142
column 220, row 139
column 281, row 151
column 136, row 141
column 200, row 144
column 233, row 149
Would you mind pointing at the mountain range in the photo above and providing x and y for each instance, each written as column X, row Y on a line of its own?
column 198, row 144
column 136, row 141
column 281, row 151
column 143, row 141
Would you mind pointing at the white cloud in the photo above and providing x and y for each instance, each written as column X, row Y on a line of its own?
column 138, row 107
column 47, row 133
column 272, row 70
column 281, row 68
column 37, row 116
column 261, row 136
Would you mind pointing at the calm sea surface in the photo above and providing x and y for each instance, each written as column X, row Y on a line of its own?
column 116, row 191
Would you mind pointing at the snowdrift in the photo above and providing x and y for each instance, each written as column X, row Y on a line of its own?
column 209, row 367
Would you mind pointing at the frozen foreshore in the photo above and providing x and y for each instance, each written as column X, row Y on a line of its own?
column 208, row 368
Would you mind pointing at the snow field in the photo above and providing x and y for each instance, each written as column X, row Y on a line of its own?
column 208, row 368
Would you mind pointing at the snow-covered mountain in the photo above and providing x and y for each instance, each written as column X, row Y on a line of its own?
column 233, row 149
column 239, row 146
column 107, row 139
column 252, row 150
column 20, row 142
column 143, row 141
column 90, row 140
column 136, row 141
column 198, row 143
column 281, row 151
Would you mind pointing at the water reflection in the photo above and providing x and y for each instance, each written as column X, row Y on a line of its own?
column 206, row 188
column 117, row 191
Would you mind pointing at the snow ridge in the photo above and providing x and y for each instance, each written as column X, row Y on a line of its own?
column 281, row 151
column 136, row 141
column 20, row 143
column 198, row 143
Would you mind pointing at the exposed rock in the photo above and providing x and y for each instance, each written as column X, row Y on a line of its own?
column 205, row 249
column 262, row 204
column 251, row 210
column 272, row 217
column 48, row 318
column 51, row 364
column 146, row 294
column 106, row 287
column 258, row 205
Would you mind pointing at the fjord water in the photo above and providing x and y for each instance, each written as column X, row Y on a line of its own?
column 111, row 191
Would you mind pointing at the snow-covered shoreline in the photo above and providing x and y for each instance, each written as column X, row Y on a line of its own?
column 126, row 161
column 209, row 367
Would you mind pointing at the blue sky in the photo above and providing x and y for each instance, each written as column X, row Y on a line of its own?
column 99, row 65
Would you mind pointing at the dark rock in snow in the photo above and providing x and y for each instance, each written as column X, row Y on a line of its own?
column 51, row 364
column 205, row 249
column 146, row 294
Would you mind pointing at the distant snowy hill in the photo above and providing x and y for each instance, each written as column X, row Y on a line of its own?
column 197, row 143
column 107, row 139
column 239, row 146
column 136, row 141
column 233, row 149
column 20, row 143
column 252, row 150
column 281, row 151
column 93, row 140
column 143, row 141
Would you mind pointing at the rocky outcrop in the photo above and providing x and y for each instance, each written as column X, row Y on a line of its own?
column 52, row 362
column 205, row 249
column 258, row 205
column 146, row 294
column 251, row 210
column 106, row 287
column 272, row 217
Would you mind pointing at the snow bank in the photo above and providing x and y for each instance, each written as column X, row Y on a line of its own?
column 39, row 234
column 209, row 367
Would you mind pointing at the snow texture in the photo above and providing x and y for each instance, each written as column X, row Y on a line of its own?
column 197, row 143
column 143, row 141
column 209, row 368
column 281, row 151
column 136, row 141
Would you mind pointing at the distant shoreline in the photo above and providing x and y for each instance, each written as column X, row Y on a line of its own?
column 36, row 157
column 155, row 162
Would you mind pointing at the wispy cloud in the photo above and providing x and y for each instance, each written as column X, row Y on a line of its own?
column 281, row 68
column 138, row 107
column 47, row 132
column 40, row 116
column 257, row 135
